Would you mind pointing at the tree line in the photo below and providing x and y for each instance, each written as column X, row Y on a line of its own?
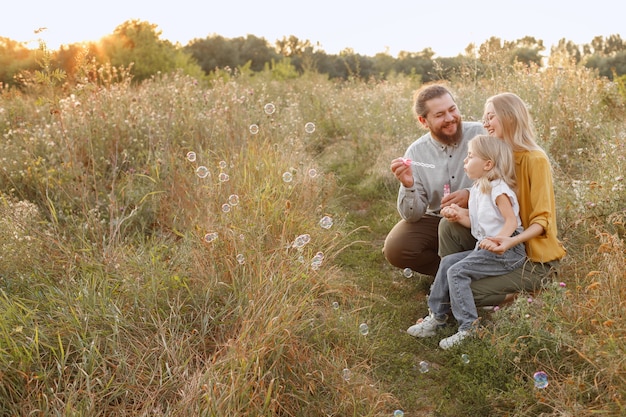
column 137, row 46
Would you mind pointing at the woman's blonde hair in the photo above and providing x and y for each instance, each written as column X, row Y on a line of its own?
column 500, row 154
column 517, row 124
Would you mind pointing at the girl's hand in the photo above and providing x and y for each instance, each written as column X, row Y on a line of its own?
column 496, row 244
column 453, row 213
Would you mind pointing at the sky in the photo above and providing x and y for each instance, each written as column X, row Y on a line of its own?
column 390, row 26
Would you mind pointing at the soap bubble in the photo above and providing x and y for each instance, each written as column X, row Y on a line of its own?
column 269, row 108
column 191, row 156
column 309, row 127
column 465, row 358
column 225, row 207
column 424, row 367
column 224, row 177
column 398, row 413
column 223, row 164
column 541, row 379
column 346, row 373
column 335, row 305
column 241, row 259
column 233, row 199
column 202, row 171
column 287, row 177
column 407, row 272
column 312, row 173
column 301, row 240
column 316, row 262
column 210, row 237
column 326, row 222
column 364, row 329
column 254, row 129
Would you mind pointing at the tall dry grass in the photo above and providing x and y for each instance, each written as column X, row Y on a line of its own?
column 132, row 286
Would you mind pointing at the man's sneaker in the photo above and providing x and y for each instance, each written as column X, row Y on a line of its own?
column 426, row 327
column 455, row 339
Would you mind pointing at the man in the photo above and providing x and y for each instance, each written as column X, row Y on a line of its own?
column 431, row 175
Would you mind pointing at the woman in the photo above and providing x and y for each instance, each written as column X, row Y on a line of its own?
column 507, row 118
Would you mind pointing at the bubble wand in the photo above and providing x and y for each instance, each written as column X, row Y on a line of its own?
column 408, row 162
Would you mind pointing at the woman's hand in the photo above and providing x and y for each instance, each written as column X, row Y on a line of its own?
column 497, row 244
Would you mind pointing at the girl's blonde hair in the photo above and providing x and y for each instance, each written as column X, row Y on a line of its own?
column 517, row 124
column 500, row 154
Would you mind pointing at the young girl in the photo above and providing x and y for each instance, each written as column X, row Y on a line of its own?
column 493, row 212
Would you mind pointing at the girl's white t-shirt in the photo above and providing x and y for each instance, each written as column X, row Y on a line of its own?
column 485, row 218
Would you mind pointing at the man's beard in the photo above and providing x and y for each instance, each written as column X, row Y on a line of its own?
column 450, row 139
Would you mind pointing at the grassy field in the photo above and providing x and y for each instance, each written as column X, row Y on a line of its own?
column 213, row 248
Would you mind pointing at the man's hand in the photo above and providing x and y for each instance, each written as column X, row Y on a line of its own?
column 459, row 197
column 402, row 171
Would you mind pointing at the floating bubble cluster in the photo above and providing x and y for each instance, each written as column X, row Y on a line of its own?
column 301, row 241
column 210, row 237
column 326, row 222
column 223, row 177
column 316, row 262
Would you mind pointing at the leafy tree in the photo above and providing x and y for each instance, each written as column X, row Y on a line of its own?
column 605, row 47
column 564, row 53
column 526, row 50
column 138, row 43
column 257, row 51
column 15, row 57
column 75, row 59
column 608, row 66
column 214, row 52
column 416, row 63
column 384, row 64
column 292, row 46
column 614, row 45
column 217, row 52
